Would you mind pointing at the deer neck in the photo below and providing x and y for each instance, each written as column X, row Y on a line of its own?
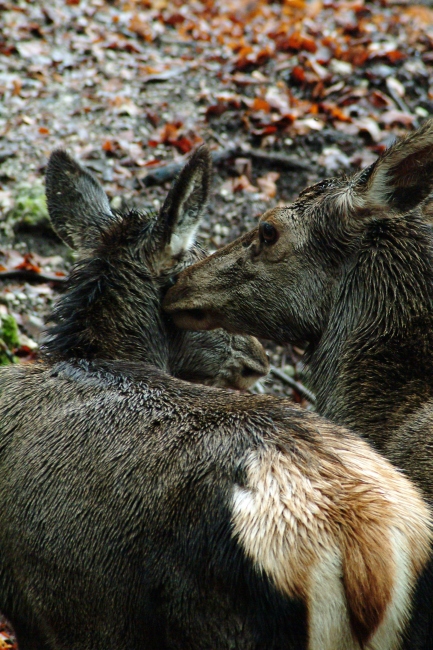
column 110, row 312
column 373, row 365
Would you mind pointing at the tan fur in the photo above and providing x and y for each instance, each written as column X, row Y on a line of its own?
column 308, row 526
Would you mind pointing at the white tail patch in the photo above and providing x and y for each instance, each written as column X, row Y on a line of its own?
column 348, row 537
column 397, row 614
column 329, row 624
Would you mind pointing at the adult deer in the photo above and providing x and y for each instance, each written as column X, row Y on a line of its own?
column 348, row 270
column 141, row 511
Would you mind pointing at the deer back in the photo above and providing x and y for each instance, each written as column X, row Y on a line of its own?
column 185, row 516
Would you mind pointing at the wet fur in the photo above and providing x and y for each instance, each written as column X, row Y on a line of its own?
column 141, row 511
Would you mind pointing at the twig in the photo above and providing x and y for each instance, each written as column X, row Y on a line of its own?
column 278, row 159
column 401, row 104
column 31, row 276
column 168, row 172
column 304, row 392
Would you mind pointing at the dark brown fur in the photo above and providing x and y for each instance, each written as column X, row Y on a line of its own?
column 111, row 309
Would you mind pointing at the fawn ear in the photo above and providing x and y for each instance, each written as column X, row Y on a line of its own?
column 402, row 177
column 180, row 215
column 78, row 206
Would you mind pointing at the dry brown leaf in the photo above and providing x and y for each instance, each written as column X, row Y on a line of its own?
column 268, row 184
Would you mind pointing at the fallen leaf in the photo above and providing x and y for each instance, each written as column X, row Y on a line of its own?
column 268, row 185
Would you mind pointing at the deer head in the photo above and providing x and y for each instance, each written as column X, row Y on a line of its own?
column 111, row 309
column 283, row 279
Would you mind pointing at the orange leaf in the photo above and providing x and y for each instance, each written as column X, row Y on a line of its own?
column 335, row 112
column 308, row 44
column 260, row 104
column 17, row 86
column 298, row 74
column 27, row 264
column 169, row 131
column 266, row 130
column 152, row 163
column 339, row 115
column 108, row 146
column 296, row 41
column 140, row 27
column 182, row 144
column 395, row 55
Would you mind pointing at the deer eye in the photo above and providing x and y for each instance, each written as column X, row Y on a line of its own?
column 268, row 233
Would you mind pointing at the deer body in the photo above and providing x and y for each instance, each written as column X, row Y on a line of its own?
column 198, row 531
column 141, row 511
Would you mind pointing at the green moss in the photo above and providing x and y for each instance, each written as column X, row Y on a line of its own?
column 4, row 359
column 9, row 339
column 6, row 356
column 9, row 331
column 30, row 207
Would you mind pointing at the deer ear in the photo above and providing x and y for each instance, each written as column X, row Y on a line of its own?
column 402, row 177
column 78, row 206
column 182, row 210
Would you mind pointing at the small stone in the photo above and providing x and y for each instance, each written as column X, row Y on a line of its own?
column 289, row 370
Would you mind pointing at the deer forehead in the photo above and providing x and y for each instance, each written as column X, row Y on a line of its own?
column 317, row 207
column 291, row 223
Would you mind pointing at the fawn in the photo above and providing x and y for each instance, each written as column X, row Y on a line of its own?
column 116, row 324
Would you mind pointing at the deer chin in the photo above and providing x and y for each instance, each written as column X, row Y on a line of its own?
column 186, row 315
column 194, row 319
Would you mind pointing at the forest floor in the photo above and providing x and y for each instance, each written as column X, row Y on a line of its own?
column 285, row 94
